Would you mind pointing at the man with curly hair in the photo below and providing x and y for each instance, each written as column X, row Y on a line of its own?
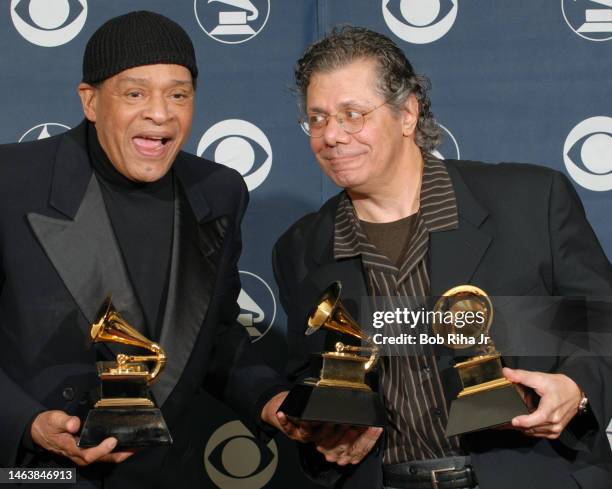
column 408, row 224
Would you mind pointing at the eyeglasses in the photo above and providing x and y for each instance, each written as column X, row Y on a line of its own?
column 351, row 120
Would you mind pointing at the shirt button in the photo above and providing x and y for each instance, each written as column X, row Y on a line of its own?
column 427, row 370
column 68, row 393
column 437, row 412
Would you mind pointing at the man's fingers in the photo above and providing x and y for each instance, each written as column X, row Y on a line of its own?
column 72, row 425
column 117, row 457
column 286, row 425
column 364, row 444
column 535, row 419
column 60, row 422
column 525, row 377
column 336, row 446
column 301, row 431
column 355, row 444
column 85, row 456
column 330, row 436
column 282, row 419
column 551, row 431
column 341, row 453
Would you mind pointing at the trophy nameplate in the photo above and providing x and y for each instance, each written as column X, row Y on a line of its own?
column 125, row 409
column 487, row 399
column 340, row 395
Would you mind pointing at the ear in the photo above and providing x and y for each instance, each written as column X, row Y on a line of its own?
column 410, row 115
column 88, row 94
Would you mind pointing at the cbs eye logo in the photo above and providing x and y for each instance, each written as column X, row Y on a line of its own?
column 235, row 149
column 419, row 21
column 257, row 305
column 449, row 147
column 43, row 131
column 590, row 143
column 49, row 23
column 234, row 460
column 231, row 21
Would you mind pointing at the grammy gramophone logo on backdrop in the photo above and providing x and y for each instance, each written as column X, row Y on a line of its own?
column 49, row 23
column 419, row 21
column 234, row 460
column 240, row 145
column 232, row 21
column 43, row 131
column 589, row 19
column 257, row 305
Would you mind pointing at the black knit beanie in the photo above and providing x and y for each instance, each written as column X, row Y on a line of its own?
column 136, row 39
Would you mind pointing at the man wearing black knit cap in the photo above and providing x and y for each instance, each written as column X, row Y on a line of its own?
column 115, row 206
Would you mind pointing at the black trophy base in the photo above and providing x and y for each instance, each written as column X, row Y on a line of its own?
column 337, row 405
column 133, row 427
column 485, row 409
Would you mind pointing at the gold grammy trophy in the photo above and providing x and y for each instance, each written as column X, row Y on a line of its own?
column 340, row 395
column 487, row 399
column 125, row 409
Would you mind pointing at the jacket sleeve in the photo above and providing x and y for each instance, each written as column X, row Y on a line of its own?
column 18, row 410
column 237, row 375
column 581, row 269
column 289, row 271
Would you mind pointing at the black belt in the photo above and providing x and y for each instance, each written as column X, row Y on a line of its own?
column 439, row 473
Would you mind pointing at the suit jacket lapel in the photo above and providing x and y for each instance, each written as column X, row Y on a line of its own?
column 83, row 248
column 195, row 259
column 454, row 257
column 348, row 271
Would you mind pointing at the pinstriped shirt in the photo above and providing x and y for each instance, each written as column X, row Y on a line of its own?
column 410, row 384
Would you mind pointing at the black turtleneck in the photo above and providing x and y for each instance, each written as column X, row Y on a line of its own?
column 142, row 216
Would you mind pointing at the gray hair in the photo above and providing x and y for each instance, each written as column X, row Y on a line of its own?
column 396, row 80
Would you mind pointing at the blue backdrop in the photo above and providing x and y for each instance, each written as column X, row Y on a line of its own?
column 512, row 81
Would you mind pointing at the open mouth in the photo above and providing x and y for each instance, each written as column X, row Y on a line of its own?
column 151, row 144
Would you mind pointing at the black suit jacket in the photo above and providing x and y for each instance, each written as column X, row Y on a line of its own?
column 58, row 260
column 522, row 231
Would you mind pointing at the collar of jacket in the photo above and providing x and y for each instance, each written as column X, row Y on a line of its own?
column 72, row 172
column 469, row 209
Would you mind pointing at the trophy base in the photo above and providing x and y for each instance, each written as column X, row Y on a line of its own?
column 484, row 409
column 133, row 427
column 356, row 407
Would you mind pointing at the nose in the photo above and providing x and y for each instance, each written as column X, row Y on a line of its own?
column 334, row 133
column 157, row 110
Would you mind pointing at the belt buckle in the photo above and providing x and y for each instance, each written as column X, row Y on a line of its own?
column 434, row 478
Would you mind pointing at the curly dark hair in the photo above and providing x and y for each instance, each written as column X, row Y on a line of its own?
column 396, row 80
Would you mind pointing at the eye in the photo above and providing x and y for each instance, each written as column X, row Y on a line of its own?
column 419, row 13
column 180, row 96
column 233, row 457
column 317, row 120
column 48, row 15
column 239, row 145
column 587, row 153
column 352, row 115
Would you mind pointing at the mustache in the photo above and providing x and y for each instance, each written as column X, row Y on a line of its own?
column 332, row 153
